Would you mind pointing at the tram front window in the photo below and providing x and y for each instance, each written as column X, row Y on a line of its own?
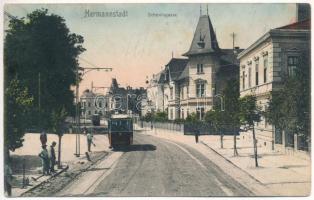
column 121, row 125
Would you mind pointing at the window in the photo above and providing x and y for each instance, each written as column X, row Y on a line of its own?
column 200, row 112
column 250, row 77
column 171, row 113
column 200, row 89
column 89, row 104
column 182, row 92
column 243, row 80
column 182, row 113
column 200, row 68
column 256, row 72
column 95, row 111
column 171, row 93
column 292, row 65
column 100, row 104
column 187, row 91
column 265, row 69
column 89, row 112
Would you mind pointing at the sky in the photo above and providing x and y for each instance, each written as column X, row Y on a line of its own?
column 139, row 45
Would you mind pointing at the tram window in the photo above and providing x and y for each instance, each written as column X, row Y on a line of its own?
column 120, row 125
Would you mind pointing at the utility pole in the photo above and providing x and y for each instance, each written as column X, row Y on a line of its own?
column 78, row 113
column 235, row 151
column 39, row 103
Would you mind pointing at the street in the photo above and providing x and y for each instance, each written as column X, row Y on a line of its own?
column 155, row 167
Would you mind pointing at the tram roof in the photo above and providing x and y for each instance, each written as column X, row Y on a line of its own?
column 120, row 116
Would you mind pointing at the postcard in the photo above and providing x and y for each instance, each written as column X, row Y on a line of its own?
column 157, row 99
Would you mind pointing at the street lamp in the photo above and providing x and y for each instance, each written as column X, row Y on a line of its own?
column 84, row 70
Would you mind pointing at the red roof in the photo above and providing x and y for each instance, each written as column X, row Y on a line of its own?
column 305, row 24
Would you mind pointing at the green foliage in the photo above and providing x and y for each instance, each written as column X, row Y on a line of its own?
column 229, row 117
column 232, row 106
column 249, row 111
column 216, row 118
column 157, row 117
column 192, row 118
column 148, row 117
column 58, row 120
column 289, row 108
column 41, row 45
column 179, row 121
column 160, row 117
column 17, row 111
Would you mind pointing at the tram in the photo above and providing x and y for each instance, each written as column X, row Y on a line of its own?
column 120, row 130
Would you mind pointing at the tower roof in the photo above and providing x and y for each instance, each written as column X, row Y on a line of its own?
column 204, row 40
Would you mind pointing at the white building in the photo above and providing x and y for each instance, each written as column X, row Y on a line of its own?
column 262, row 67
column 92, row 103
column 189, row 85
column 155, row 90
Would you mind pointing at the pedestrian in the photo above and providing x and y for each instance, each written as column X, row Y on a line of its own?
column 52, row 157
column 43, row 138
column 8, row 179
column 197, row 133
column 44, row 160
column 85, row 130
column 89, row 137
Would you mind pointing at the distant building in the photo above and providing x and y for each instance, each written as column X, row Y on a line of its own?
column 155, row 100
column 92, row 103
column 264, row 64
column 124, row 100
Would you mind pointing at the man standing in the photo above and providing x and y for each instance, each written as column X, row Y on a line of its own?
column 52, row 157
column 45, row 160
column 89, row 141
column 197, row 133
column 43, row 138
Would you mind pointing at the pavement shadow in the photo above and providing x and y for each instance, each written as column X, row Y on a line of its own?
column 135, row 147
column 30, row 162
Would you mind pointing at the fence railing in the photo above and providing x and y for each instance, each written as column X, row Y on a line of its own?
column 162, row 125
column 190, row 128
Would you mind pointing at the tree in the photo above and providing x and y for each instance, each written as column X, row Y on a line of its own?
column 216, row 119
column 226, row 119
column 160, row 116
column 289, row 107
column 249, row 114
column 17, row 110
column 42, row 53
column 232, row 107
column 192, row 118
column 58, row 122
column 148, row 117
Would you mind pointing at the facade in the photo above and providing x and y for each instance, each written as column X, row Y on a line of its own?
column 124, row 100
column 91, row 104
column 264, row 64
column 155, row 91
column 189, row 85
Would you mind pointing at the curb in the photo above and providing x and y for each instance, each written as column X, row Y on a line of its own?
column 232, row 163
column 45, row 181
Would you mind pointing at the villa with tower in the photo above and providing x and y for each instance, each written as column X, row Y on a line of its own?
column 189, row 85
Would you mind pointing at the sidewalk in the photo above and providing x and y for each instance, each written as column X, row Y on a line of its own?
column 28, row 154
column 282, row 175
